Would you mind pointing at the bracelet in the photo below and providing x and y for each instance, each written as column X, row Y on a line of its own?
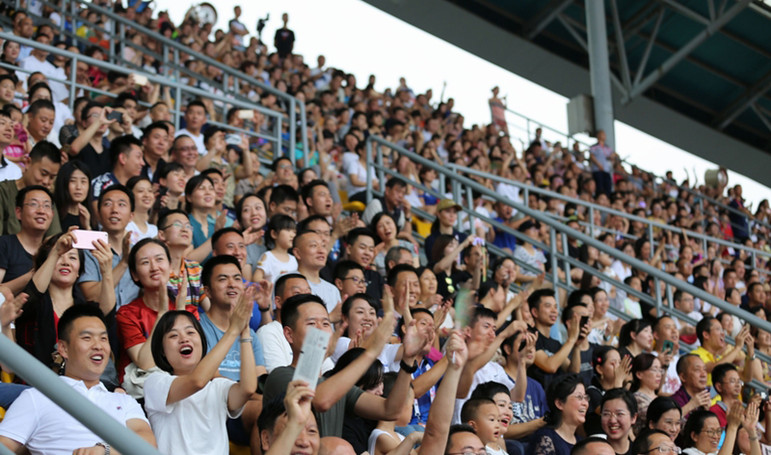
column 245, row 340
column 409, row 369
column 754, row 438
column 106, row 447
column 263, row 310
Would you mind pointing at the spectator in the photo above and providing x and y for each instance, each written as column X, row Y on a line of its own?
column 140, row 226
column 694, row 393
column 568, row 403
column 308, row 249
column 664, row 415
column 87, row 358
column 195, row 117
column 34, row 211
column 619, row 414
column 336, row 392
column 72, row 196
column 601, row 157
column 185, row 152
column 176, row 232
column 155, row 149
column 551, row 356
column 289, row 424
column 52, row 291
column 189, row 381
column 446, row 216
column 284, row 39
column 41, row 116
column 125, row 162
column 90, row 145
column 713, row 346
column 224, row 285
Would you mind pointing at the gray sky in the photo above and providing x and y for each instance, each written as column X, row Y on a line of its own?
column 362, row 40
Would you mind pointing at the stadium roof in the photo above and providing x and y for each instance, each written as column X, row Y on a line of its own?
column 695, row 73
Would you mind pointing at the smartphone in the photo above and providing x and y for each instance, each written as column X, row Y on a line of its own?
column 668, row 346
column 245, row 114
column 140, row 79
column 584, row 321
column 162, row 191
column 84, row 239
column 115, row 115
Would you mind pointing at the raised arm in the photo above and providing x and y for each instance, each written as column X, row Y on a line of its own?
column 187, row 385
column 240, row 393
column 298, row 410
column 440, row 415
column 551, row 364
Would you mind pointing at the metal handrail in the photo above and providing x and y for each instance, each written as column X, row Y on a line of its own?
column 78, row 406
column 557, row 227
column 592, row 207
column 74, row 86
column 529, row 122
column 293, row 103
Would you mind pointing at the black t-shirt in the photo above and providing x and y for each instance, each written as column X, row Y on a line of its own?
column 284, row 41
column 13, row 258
column 97, row 163
column 550, row 346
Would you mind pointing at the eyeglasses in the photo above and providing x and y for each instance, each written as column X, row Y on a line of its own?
column 36, row 205
column 611, row 414
column 666, row 449
column 716, row 432
column 357, row 280
column 735, row 381
column 179, row 225
column 581, row 397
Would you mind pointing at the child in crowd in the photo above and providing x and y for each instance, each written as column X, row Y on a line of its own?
column 483, row 416
column 277, row 260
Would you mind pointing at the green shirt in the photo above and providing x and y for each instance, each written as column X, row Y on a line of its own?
column 9, row 224
column 330, row 422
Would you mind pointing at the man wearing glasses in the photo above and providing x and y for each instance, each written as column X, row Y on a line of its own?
column 728, row 384
column 649, row 441
column 34, row 210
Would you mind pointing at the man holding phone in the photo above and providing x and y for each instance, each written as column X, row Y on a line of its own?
column 115, row 210
column 667, row 344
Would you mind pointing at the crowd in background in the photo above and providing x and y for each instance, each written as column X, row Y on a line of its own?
column 166, row 264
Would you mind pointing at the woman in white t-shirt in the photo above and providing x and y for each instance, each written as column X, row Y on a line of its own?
column 355, row 168
column 188, row 403
column 144, row 199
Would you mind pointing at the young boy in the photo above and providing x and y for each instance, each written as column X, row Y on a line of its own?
column 483, row 416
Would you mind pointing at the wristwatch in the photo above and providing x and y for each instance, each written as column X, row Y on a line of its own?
column 106, row 447
column 409, row 369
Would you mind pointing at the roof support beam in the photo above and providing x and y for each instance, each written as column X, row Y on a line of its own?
column 649, row 47
column 687, row 12
column 761, row 116
column 545, row 17
column 746, row 100
column 621, row 46
column 683, row 52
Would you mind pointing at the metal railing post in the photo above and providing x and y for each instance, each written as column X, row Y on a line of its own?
column 591, row 222
column 73, row 80
column 292, row 135
column 306, row 150
column 650, row 239
column 471, row 218
column 369, row 174
column 565, row 248
column 553, row 259
column 279, row 142
column 670, row 302
column 527, row 197
column 658, row 297
column 122, row 41
column 75, row 404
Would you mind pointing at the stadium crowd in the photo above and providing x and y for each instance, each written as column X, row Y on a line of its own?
column 172, row 282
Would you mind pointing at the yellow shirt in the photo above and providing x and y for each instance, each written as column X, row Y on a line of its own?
column 707, row 357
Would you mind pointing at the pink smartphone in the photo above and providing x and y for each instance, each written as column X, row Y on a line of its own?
column 85, row 239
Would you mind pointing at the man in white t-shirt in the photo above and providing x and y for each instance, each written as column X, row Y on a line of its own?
column 311, row 254
column 483, row 344
column 275, row 347
column 36, row 61
column 195, row 118
column 36, row 423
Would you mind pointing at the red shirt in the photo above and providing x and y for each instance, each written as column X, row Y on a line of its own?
column 135, row 322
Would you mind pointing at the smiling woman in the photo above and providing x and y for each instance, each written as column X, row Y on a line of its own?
column 148, row 264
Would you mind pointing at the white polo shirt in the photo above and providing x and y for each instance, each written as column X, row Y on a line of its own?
column 44, row 428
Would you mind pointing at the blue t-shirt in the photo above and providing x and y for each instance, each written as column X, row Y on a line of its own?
column 547, row 441
column 422, row 404
column 231, row 365
column 504, row 239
